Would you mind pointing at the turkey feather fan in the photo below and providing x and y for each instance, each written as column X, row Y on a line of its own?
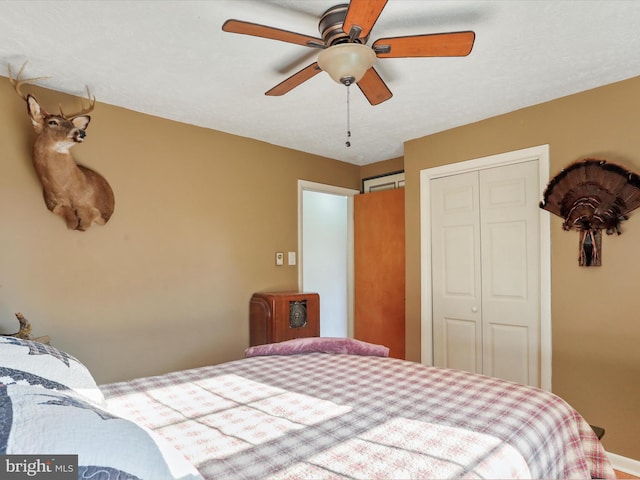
column 592, row 194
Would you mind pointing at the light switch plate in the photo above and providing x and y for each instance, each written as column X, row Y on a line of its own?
column 279, row 258
column 292, row 258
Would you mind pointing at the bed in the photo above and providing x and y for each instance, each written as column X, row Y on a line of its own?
column 312, row 408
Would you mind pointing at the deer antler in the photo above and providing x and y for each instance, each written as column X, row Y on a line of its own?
column 84, row 111
column 17, row 83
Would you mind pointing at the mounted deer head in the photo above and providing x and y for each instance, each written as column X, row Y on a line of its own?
column 78, row 194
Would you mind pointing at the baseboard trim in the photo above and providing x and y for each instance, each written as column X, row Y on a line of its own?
column 624, row 464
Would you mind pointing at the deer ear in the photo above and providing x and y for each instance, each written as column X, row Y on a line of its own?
column 81, row 122
column 35, row 112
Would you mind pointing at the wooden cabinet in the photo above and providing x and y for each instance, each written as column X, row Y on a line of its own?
column 380, row 269
column 278, row 316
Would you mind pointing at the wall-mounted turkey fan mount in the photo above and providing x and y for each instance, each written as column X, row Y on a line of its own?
column 351, row 24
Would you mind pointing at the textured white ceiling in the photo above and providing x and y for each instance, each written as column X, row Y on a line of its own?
column 171, row 59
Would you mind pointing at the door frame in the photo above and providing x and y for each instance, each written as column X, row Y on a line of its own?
column 540, row 153
column 333, row 190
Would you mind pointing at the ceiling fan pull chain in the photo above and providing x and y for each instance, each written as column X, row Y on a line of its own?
column 348, row 143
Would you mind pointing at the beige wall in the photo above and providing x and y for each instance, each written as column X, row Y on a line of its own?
column 382, row 168
column 166, row 283
column 595, row 320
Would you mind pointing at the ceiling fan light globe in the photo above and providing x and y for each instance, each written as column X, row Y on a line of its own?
column 346, row 60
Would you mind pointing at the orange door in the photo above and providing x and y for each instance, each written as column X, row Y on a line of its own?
column 379, row 256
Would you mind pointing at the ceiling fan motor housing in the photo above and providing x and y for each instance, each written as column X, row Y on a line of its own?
column 330, row 25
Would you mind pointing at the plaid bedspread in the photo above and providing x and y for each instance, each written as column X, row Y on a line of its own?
column 348, row 416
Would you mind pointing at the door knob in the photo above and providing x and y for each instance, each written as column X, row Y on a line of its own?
column 474, row 309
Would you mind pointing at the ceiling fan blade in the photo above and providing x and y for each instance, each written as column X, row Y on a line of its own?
column 294, row 80
column 256, row 30
column 374, row 88
column 457, row 44
column 362, row 14
column 291, row 64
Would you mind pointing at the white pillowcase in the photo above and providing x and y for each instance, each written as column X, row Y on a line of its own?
column 34, row 420
column 27, row 362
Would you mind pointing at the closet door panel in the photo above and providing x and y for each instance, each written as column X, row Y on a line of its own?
column 510, row 278
column 507, row 260
column 457, row 329
column 462, row 344
column 509, row 350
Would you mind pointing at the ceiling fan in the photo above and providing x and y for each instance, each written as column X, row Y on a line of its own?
column 345, row 55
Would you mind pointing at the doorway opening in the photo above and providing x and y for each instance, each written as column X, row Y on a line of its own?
column 325, row 243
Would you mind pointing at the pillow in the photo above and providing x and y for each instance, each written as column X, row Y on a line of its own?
column 318, row 344
column 36, row 421
column 28, row 362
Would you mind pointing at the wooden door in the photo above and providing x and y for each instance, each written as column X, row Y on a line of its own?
column 379, row 269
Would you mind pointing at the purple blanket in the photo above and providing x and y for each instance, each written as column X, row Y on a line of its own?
column 318, row 345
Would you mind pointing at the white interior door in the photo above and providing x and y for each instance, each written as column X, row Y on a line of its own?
column 457, row 294
column 510, row 243
column 485, row 272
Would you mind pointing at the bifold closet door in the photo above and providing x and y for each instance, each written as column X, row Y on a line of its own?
column 456, row 274
column 510, row 244
column 485, row 272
